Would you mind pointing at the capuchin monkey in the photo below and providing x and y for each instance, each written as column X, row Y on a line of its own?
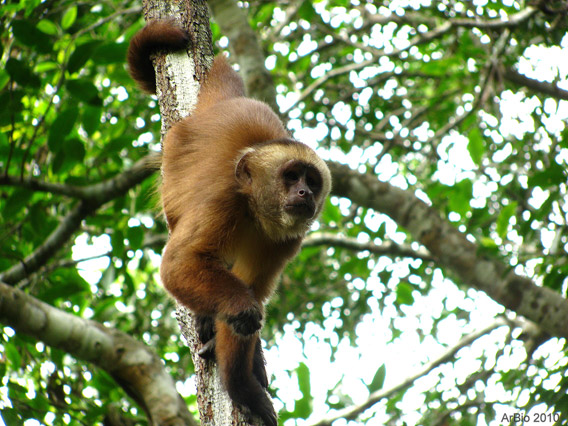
column 239, row 195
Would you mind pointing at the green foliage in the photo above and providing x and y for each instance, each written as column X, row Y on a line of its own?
column 438, row 116
column 61, row 122
column 303, row 406
column 378, row 379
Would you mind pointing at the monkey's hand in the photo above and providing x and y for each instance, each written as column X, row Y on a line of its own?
column 246, row 322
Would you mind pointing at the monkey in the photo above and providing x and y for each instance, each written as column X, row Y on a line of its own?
column 238, row 194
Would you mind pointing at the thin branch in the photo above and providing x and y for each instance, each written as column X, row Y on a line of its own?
column 154, row 241
column 131, row 11
column 353, row 412
column 415, row 18
column 418, row 40
column 43, row 186
column 511, row 21
column 498, row 48
column 422, row 38
column 549, row 89
column 244, row 43
column 388, row 249
column 69, row 224
column 61, row 80
column 274, row 32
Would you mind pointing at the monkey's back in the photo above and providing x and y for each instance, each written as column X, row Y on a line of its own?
column 199, row 159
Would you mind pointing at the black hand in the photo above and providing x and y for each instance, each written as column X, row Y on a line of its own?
column 246, row 322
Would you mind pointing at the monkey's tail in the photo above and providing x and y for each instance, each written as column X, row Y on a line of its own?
column 155, row 36
column 235, row 359
column 222, row 83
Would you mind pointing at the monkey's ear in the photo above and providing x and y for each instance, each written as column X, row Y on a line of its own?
column 242, row 171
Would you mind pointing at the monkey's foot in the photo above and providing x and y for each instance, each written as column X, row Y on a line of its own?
column 207, row 351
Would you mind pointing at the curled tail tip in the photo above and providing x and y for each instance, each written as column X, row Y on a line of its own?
column 155, row 36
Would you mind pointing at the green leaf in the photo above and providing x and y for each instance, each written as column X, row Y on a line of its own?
column 331, row 213
column 61, row 128
column 22, row 74
column 71, row 154
column 48, row 27
column 16, row 202
column 84, row 90
column 58, row 162
column 554, row 280
column 404, row 294
column 76, row 149
column 147, row 198
column 81, row 55
column 117, row 242
column 106, row 309
column 110, row 53
column 14, row 358
column 476, row 145
column 504, row 218
column 28, row 34
column 46, row 66
column 91, row 119
column 307, row 11
column 135, row 237
column 4, row 78
column 552, row 175
column 69, row 18
column 378, row 379
column 488, row 247
column 11, row 417
column 264, row 13
column 303, row 406
column 66, row 286
column 108, row 277
column 460, row 196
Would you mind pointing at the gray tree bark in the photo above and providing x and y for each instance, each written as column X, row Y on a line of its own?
column 178, row 78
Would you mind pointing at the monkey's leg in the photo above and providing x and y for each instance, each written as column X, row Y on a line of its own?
column 235, row 358
column 207, row 351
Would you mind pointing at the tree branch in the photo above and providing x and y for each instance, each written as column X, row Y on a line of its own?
column 416, row 18
column 92, row 198
column 234, row 24
column 454, row 250
column 420, row 39
column 131, row 363
column 178, row 77
column 388, row 249
column 351, row 413
column 549, row 89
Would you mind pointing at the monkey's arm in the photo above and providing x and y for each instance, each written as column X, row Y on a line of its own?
column 202, row 283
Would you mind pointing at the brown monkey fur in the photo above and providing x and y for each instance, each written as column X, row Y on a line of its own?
column 238, row 195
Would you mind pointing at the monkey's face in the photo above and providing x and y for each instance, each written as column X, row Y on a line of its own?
column 285, row 184
column 302, row 186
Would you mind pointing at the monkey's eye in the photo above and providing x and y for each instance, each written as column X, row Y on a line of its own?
column 290, row 176
column 314, row 182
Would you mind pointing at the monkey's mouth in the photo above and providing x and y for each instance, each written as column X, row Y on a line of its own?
column 306, row 210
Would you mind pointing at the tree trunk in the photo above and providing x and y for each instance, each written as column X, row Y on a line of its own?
column 178, row 77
